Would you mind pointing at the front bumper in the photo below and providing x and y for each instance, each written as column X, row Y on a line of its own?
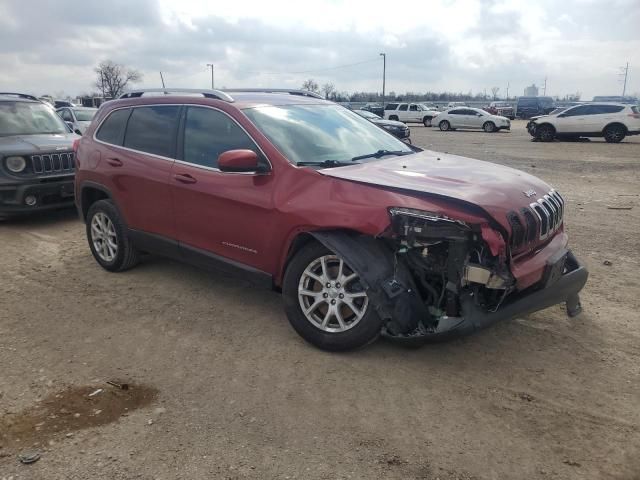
column 563, row 279
column 49, row 193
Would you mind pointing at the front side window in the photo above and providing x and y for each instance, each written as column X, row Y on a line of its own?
column 456, row 112
column 580, row 110
column 112, row 129
column 208, row 133
column 403, row 107
column 321, row 133
column 29, row 118
column 153, row 130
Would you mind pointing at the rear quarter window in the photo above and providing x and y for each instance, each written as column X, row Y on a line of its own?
column 112, row 129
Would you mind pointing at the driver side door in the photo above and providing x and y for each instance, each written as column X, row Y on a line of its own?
column 220, row 215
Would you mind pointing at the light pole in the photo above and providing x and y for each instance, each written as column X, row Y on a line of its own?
column 211, row 65
column 384, row 74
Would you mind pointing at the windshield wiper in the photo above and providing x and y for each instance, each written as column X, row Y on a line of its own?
column 381, row 153
column 324, row 163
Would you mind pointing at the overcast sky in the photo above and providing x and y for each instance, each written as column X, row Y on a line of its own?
column 52, row 46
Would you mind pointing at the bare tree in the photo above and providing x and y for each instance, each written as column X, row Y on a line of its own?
column 494, row 92
column 311, row 85
column 113, row 78
column 328, row 89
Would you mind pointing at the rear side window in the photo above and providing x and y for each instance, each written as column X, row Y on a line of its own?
column 413, row 108
column 153, row 130
column 112, row 129
column 403, row 107
column 608, row 108
column 208, row 133
column 391, row 106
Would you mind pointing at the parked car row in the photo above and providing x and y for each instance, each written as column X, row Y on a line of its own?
column 250, row 181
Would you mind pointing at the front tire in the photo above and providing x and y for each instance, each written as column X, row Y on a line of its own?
column 326, row 303
column 545, row 133
column 108, row 240
column 444, row 125
column 489, row 127
column 614, row 133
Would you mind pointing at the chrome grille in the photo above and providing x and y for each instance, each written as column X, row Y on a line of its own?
column 53, row 163
column 538, row 222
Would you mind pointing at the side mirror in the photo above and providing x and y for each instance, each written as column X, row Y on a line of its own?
column 238, row 161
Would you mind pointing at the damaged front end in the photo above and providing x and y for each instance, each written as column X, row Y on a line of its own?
column 431, row 277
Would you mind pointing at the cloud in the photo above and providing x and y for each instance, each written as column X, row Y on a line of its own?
column 455, row 45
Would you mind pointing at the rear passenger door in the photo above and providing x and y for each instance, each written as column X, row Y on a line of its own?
column 220, row 213
column 137, row 163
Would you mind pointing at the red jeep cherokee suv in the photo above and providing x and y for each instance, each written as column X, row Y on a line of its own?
column 364, row 234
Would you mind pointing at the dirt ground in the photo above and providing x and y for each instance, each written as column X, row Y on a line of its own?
column 237, row 394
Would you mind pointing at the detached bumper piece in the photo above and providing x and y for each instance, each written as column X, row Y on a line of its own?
column 564, row 278
column 23, row 198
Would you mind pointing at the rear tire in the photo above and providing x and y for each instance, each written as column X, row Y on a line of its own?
column 312, row 268
column 489, row 127
column 614, row 133
column 108, row 239
column 545, row 133
column 444, row 125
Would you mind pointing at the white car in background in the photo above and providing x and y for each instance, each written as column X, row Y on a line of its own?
column 468, row 117
column 409, row 113
column 613, row 121
column 78, row 118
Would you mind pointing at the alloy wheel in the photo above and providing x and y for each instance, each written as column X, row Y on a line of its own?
column 331, row 296
column 103, row 236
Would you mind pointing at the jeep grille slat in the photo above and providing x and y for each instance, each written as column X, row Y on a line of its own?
column 49, row 163
column 537, row 222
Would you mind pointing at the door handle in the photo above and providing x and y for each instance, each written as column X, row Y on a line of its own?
column 184, row 178
column 114, row 162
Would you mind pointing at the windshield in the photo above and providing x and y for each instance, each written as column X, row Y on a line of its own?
column 26, row 118
column 85, row 115
column 365, row 114
column 320, row 133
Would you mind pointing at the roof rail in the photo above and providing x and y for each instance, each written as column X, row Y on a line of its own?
column 302, row 93
column 217, row 94
column 19, row 95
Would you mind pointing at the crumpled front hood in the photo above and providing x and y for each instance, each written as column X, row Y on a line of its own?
column 494, row 188
column 27, row 144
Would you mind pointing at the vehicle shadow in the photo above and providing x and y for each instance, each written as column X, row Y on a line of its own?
column 41, row 219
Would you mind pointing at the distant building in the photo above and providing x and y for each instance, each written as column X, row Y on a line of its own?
column 531, row 91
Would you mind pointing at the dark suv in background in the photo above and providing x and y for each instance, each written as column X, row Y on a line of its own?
column 528, row 107
column 36, row 156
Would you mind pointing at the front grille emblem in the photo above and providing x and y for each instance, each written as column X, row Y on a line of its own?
column 530, row 193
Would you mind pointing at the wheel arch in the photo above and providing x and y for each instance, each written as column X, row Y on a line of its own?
column 616, row 124
column 90, row 193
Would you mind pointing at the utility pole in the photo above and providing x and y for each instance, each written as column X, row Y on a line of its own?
column 162, row 80
column 625, row 71
column 507, row 90
column 544, row 90
column 211, row 65
column 384, row 74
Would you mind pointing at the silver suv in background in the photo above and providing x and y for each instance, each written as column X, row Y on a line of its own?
column 37, row 163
